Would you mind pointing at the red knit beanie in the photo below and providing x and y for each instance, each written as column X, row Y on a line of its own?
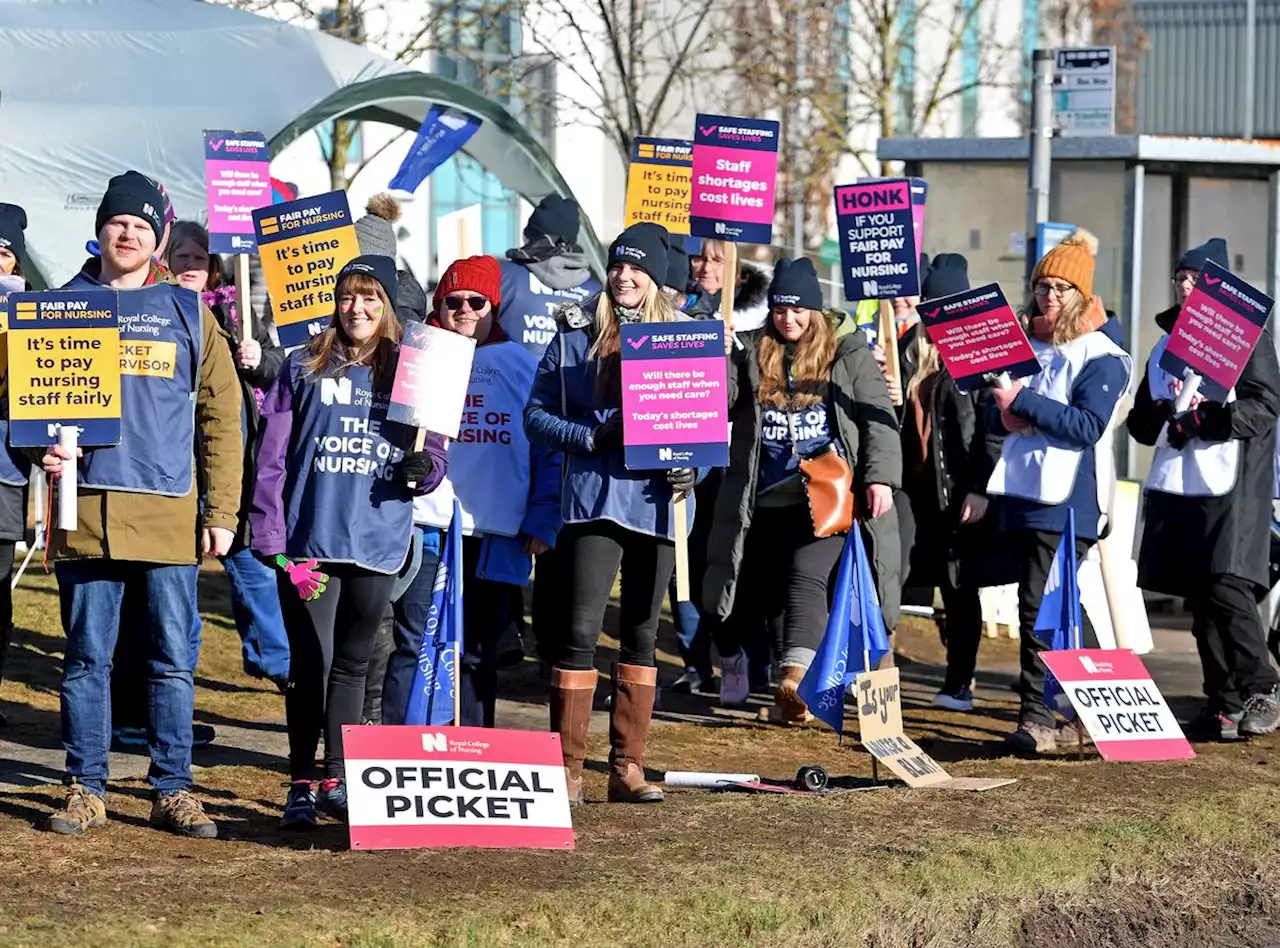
column 474, row 274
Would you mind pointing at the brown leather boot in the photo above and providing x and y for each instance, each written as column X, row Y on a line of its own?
column 791, row 708
column 571, row 696
column 634, row 687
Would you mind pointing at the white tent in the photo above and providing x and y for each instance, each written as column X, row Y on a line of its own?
column 90, row 88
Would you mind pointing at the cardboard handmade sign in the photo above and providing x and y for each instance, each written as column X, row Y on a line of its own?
column 432, row 375
column 675, row 410
column 237, row 174
column 1119, row 705
column 735, row 173
column 303, row 245
column 421, row 787
column 1216, row 331
column 64, row 367
column 879, row 699
column 978, row 335
column 658, row 183
column 878, row 251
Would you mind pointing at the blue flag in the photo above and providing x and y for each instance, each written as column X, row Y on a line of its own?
column 855, row 638
column 443, row 132
column 431, row 696
column 1060, row 620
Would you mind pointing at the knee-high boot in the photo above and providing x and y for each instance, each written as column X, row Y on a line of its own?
column 572, row 692
column 634, row 687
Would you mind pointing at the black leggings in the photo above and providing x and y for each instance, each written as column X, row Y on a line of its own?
column 784, row 577
column 6, row 594
column 330, row 640
column 593, row 554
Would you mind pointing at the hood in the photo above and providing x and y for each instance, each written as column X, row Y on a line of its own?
column 751, row 301
column 1114, row 331
column 1166, row 319
column 559, row 265
column 583, row 315
column 851, row 342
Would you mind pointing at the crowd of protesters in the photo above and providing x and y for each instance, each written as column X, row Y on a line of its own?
column 331, row 569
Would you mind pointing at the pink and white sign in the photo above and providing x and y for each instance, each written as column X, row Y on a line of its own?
column 433, row 371
column 1120, row 706
column 978, row 335
column 237, row 173
column 735, row 175
column 675, row 391
column 420, row 787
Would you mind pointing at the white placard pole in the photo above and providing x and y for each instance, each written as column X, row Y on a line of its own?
column 68, row 435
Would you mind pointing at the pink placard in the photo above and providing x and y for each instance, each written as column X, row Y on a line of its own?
column 733, row 184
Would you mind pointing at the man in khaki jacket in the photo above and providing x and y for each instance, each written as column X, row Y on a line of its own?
column 140, row 524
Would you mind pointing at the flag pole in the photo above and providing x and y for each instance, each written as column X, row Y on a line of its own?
column 458, row 645
column 866, row 668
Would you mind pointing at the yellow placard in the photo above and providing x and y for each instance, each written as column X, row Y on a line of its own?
column 68, row 373
column 659, row 181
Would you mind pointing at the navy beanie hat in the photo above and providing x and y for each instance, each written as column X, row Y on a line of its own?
column 382, row 269
column 1215, row 249
column 136, row 195
column 554, row 216
column 677, row 268
column 646, row 246
column 795, row 283
column 13, row 221
column 948, row 273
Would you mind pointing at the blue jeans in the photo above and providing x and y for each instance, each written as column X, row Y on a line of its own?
column 91, row 593
column 255, row 604
column 695, row 643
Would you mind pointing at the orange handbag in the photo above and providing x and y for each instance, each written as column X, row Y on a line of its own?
column 828, row 483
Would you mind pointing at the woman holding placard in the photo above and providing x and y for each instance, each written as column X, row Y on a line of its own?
column 1053, row 425
column 809, row 410
column 615, row 518
column 1206, row 509
column 508, row 489
column 15, row 468
column 332, row 510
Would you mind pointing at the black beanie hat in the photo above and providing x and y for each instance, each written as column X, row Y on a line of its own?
column 382, row 269
column 947, row 274
column 554, row 216
column 13, row 221
column 136, row 195
column 795, row 283
column 643, row 245
column 1215, row 249
column 677, row 268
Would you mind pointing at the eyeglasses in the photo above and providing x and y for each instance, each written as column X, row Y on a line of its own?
column 1060, row 290
column 475, row 303
column 1188, row 279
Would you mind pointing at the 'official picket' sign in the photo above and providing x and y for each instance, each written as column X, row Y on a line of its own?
column 416, row 787
column 1119, row 705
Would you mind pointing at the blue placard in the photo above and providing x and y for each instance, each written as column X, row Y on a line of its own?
column 878, row 253
column 301, row 218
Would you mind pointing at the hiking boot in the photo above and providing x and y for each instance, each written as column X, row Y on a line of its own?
column 299, row 806
column 1031, row 738
column 1261, row 713
column 630, row 715
column 331, row 801
column 83, row 810
column 961, row 700
column 735, row 686
column 687, row 683
column 182, row 813
column 572, row 692
column 202, row 735
column 1213, row 725
column 789, row 706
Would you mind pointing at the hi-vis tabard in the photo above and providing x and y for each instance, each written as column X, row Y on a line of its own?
column 489, row 466
column 344, row 501
column 1034, row 465
column 1201, row 468
column 160, row 345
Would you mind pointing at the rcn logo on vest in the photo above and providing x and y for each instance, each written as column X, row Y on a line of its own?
column 335, row 391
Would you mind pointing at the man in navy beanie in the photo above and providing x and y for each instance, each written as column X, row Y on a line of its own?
column 13, row 244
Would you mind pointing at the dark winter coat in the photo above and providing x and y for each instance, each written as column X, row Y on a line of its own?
column 868, row 432
column 962, row 453
column 1186, row 540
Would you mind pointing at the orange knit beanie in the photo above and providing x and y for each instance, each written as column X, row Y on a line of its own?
column 1072, row 260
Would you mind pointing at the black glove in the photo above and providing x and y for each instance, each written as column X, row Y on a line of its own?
column 1182, row 428
column 415, row 466
column 682, row 480
column 1209, row 421
column 608, row 435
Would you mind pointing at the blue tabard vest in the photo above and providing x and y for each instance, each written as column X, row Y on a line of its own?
column 527, row 313
column 344, row 501
column 160, row 345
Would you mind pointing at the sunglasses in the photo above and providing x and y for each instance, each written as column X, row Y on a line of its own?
column 474, row 303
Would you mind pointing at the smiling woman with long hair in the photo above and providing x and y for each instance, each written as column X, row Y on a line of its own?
column 615, row 518
column 332, row 505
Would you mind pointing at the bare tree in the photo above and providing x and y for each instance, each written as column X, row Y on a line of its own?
column 631, row 66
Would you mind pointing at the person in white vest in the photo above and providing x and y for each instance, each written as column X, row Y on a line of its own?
column 1055, row 426
column 1207, row 503
column 508, row 490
